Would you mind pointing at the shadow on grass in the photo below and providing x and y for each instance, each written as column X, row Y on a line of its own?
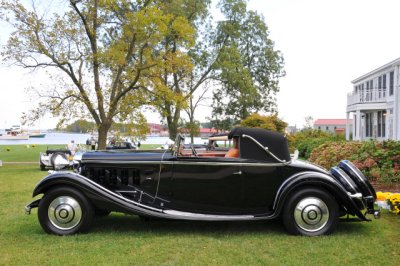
column 130, row 223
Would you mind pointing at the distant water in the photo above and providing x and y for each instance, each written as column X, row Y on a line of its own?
column 64, row 138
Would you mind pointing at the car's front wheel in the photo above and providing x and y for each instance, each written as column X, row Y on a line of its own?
column 311, row 212
column 65, row 211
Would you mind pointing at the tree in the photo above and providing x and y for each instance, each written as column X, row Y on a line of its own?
column 248, row 66
column 107, row 56
column 194, row 103
column 271, row 122
column 180, row 85
column 80, row 126
column 309, row 122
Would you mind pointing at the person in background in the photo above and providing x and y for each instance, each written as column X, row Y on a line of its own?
column 234, row 151
column 93, row 144
column 72, row 147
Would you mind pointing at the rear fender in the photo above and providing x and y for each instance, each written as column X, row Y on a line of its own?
column 318, row 180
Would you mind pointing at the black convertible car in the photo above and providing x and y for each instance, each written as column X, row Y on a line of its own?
column 262, row 183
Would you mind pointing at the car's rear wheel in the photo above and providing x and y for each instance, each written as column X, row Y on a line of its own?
column 65, row 211
column 311, row 212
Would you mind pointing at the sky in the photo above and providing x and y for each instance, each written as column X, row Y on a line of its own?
column 325, row 44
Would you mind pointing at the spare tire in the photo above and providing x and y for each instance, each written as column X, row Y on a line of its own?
column 54, row 157
column 358, row 177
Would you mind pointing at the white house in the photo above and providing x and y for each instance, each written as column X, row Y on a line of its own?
column 374, row 104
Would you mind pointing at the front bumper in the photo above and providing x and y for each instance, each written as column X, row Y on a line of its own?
column 30, row 206
column 367, row 204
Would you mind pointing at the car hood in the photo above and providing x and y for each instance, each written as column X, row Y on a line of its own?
column 126, row 155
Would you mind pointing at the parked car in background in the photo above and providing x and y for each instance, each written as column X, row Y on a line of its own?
column 122, row 145
column 55, row 159
column 262, row 183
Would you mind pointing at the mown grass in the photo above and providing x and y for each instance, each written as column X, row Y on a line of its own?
column 24, row 153
column 123, row 239
column 30, row 153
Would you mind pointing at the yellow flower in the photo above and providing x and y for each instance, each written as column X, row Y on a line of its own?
column 394, row 202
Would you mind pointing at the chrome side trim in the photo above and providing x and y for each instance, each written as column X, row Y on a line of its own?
column 234, row 163
column 265, row 149
column 208, row 216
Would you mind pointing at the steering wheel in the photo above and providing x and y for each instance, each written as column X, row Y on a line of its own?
column 194, row 152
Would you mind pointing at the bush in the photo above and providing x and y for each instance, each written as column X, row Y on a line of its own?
column 331, row 153
column 307, row 140
column 379, row 161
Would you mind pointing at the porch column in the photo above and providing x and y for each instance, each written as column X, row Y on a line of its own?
column 358, row 126
column 347, row 126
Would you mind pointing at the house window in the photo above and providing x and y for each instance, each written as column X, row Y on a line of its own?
column 379, row 83
column 327, row 128
column 384, row 85
column 391, row 81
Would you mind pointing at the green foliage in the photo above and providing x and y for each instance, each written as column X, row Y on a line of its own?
column 379, row 161
column 331, row 153
column 307, row 140
column 248, row 65
column 80, row 125
column 271, row 122
column 107, row 57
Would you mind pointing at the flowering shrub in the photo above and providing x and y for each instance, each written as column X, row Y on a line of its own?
column 394, row 203
column 379, row 161
column 392, row 200
column 331, row 153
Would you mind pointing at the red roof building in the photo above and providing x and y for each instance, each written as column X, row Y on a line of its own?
column 332, row 125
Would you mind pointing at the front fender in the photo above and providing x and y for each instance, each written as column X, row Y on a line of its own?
column 99, row 196
column 316, row 179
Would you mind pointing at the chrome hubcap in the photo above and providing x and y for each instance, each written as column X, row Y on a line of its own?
column 311, row 214
column 65, row 212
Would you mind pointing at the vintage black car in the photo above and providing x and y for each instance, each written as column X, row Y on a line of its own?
column 263, row 183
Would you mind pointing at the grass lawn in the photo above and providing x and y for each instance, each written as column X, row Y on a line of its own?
column 29, row 153
column 123, row 239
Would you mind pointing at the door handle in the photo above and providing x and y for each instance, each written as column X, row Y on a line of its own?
column 237, row 173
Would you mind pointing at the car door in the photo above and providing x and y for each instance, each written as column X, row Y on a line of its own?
column 206, row 185
column 260, row 182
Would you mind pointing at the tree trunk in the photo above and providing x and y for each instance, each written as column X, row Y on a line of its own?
column 102, row 141
column 173, row 130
